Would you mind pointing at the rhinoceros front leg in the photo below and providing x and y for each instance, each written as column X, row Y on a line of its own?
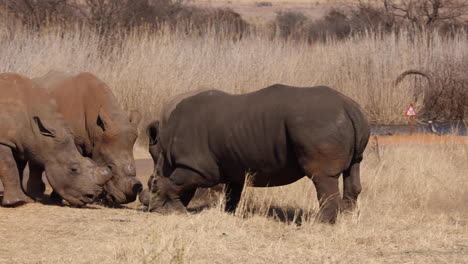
column 233, row 196
column 35, row 187
column 172, row 194
column 13, row 194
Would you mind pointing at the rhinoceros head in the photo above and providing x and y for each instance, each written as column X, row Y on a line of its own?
column 115, row 150
column 152, row 132
column 78, row 180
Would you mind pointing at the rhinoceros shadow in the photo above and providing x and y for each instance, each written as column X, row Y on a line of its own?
column 290, row 215
column 207, row 198
column 285, row 215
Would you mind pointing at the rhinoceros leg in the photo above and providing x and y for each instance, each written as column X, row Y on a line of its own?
column 21, row 164
column 170, row 193
column 35, row 187
column 13, row 194
column 328, row 195
column 351, row 187
column 233, row 196
column 324, row 172
column 186, row 196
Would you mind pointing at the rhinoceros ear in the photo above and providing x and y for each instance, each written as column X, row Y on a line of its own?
column 153, row 130
column 135, row 117
column 43, row 127
column 104, row 121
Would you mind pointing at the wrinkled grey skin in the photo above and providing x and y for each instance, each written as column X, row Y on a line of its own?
column 279, row 134
column 32, row 130
column 153, row 130
column 102, row 131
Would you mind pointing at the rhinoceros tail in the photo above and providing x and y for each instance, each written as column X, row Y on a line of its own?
column 361, row 130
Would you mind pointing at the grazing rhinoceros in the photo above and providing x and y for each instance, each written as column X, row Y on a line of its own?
column 152, row 132
column 279, row 134
column 32, row 130
column 102, row 130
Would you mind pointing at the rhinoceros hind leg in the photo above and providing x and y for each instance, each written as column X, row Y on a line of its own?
column 351, row 187
column 233, row 196
column 324, row 174
column 329, row 198
column 13, row 194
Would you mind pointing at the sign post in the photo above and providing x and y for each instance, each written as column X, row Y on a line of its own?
column 411, row 113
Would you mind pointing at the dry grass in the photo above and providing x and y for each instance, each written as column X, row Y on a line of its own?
column 149, row 68
column 412, row 210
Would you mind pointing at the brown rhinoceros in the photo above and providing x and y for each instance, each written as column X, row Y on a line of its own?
column 32, row 130
column 103, row 132
column 279, row 134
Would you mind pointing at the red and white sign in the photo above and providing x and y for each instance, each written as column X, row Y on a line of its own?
column 410, row 111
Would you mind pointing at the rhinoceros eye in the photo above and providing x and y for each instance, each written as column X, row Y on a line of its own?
column 74, row 169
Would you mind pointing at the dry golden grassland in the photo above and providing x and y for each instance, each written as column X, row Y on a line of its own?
column 412, row 210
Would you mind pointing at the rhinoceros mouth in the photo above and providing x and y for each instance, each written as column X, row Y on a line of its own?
column 75, row 202
column 114, row 193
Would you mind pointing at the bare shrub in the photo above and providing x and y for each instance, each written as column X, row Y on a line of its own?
column 369, row 17
column 427, row 12
column 114, row 18
column 263, row 4
column 112, row 14
column 335, row 24
column 196, row 20
column 445, row 97
column 290, row 25
column 108, row 15
column 39, row 13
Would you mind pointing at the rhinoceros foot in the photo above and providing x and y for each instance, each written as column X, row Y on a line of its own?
column 166, row 206
column 14, row 200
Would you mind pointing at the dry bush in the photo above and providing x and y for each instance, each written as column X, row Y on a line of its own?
column 40, row 13
column 263, row 4
column 427, row 12
column 114, row 19
column 335, row 24
column 289, row 25
column 367, row 16
column 197, row 21
column 149, row 67
column 445, row 94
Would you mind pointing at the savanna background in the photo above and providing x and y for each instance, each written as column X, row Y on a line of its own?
column 413, row 207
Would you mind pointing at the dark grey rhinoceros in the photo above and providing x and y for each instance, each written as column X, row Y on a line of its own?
column 102, row 130
column 32, row 130
column 279, row 134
